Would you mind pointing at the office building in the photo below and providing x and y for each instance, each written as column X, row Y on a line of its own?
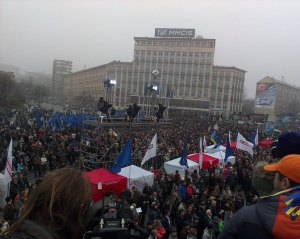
column 188, row 80
column 275, row 97
column 61, row 69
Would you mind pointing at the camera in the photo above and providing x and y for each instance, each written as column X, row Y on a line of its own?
column 108, row 219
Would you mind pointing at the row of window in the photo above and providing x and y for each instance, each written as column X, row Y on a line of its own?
column 174, row 53
column 175, row 43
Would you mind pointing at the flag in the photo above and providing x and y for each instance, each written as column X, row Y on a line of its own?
column 168, row 95
column 216, row 127
column 204, row 142
column 252, row 138
column 228, row 152
column 243, row 144
column 122, row 159
column 145, row 89
column 218, row 142
column 98, row 127
column 151, row 151
column 8, row 168
column 200, row 154
column 256, row 138
column 212, row 137
column 38, row 118
column 112, row 133
column 183, row 160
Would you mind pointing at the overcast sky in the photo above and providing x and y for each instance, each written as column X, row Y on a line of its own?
column 261, row 37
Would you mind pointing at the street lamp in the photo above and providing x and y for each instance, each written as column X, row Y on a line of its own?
column 108, row 84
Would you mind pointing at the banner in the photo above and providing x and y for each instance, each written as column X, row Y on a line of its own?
column 243, row 144
column 270, row 127
column 265, row 95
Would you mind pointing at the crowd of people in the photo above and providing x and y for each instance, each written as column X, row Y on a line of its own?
column 194, row 205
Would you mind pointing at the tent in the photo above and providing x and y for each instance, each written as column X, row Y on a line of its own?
column 137, row 177
column 265, row 143
column 4, row 189
column 221, row 156
column 210, row 149
column 173, row 165
column 101, row 180
column 207, row 160
column 232, row 145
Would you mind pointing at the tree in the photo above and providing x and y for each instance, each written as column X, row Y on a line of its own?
column 248, row 105
column 10, row 91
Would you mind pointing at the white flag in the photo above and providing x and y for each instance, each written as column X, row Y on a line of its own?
column 200, row 154
column 8, row 168
column 256, row 138
column 216, row 127
column 243, row 144
column 204, row 142
column 151, row 151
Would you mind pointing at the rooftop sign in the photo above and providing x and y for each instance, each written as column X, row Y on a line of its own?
column 174, row 32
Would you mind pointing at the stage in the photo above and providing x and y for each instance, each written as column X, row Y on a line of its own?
column 121, row 123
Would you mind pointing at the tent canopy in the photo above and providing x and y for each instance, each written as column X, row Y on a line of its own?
column 210, row 149
column 221, row 156
column 265, row 143
column 137, row 177
column 232, row 145
column 101, row 180
column 173, row 165
column 207, row 160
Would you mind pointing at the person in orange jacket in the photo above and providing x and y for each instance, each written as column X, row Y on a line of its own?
column 160, row 231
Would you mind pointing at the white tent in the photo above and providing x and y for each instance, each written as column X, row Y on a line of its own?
column 137, row 177
column 3, row 191
column 173, row 165
column 221, row 156
column 210, row 149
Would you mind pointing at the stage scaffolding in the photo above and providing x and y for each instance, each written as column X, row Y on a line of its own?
column 108, row 139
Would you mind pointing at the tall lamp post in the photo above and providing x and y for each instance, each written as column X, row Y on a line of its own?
column 152, row 87
column 108, row 84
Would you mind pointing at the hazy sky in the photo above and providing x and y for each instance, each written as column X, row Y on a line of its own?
column 261, row 37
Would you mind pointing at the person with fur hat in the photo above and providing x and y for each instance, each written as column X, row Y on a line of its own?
column 273, row 216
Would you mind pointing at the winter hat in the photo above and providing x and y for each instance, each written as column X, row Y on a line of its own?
column 288, row 143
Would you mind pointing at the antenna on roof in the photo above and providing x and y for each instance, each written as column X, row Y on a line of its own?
column 282, row 78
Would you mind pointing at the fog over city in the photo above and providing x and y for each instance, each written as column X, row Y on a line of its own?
column 261, row 37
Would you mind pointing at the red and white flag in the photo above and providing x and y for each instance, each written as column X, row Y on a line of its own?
column 151, row 151
column 243, row 144
column 200, row 154
column 8, row 168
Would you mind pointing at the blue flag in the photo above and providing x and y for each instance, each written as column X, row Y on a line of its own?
column 183, row 160
column 122, row 159
column 228, row 152
column 212, row 137
column 218, row 142
column 38, row 118
column 252, row 139
column 98, row 127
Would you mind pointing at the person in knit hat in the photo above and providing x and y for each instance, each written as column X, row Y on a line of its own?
column 287, row 143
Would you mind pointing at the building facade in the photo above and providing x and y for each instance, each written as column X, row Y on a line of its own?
column 188, row 79
column 61, row 69
column 274, row 98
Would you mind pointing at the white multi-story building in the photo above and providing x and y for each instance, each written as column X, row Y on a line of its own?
column 188, row 79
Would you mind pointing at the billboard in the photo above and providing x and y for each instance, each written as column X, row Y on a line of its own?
column 265, row 95
column 270, row 127
column 174, row 32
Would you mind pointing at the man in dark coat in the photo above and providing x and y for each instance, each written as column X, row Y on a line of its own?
column 179, row 220
column 166, row 223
